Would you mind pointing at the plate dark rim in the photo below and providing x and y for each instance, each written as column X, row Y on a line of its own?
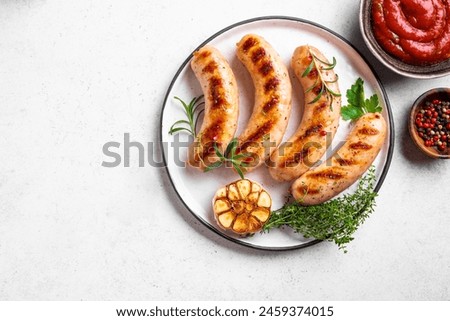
column 248, row 21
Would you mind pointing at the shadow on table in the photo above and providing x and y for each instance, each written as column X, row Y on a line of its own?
column 203, row 230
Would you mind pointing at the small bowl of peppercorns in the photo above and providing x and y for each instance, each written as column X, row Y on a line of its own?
column 429, row 123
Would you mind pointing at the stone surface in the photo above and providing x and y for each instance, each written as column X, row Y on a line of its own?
column 78, row 74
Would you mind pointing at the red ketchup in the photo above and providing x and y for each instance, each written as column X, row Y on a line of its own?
column 415, row 31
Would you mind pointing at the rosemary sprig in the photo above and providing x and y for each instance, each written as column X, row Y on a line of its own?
column 192, row 111
column 336, row 220
column 324, row 87
column 230, row 157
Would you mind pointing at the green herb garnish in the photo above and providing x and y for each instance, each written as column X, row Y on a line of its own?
column 324, row 88
column 230, row 157
column 335, row 220
column 192, row 111
column 358, row 105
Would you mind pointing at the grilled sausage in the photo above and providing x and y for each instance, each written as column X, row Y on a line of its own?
column 272, row 106
column 221, row 106
column 346, row 165
column 320, row 118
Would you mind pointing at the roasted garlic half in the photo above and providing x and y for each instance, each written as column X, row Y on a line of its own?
column 242, row 207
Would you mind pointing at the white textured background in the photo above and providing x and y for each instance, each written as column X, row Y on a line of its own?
column 77, row 74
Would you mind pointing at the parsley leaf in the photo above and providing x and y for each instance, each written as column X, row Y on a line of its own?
column 348, row 112
column 373, row 105
column 355, row 95
column 358, row 105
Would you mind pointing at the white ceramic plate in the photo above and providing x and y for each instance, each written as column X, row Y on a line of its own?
column 196, row 189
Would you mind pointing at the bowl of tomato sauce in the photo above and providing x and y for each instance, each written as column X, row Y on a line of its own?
column 411, row 37
column 429, row 123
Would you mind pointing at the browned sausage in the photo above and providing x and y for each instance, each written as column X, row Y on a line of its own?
column 272, row 106
column 221, row 106
column 320, row 118
column 346, row 165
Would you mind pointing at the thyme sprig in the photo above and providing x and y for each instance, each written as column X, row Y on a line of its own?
column 229, row 157
column 324, row 84
column 192, row 110
column 336, row 220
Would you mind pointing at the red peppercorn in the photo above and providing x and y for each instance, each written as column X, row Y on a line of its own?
column 433, row 124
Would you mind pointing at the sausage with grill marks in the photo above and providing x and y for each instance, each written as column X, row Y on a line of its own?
column 221, row 106
column 319, row 122
column 272, row 106
column 346, row 166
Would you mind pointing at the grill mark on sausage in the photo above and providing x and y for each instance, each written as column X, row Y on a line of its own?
column 304, row 190
column 328, row 173
column 213, row 132
column 266, row 68
column 216, row 90
column 320, row 107
column 298, row 157
column 316, row 90
column 203, row 55
column 256, row 136
column 345, row 161
column 360, row 145
column 313, row 191
column 368, row 131
column 313, row 73
column 249, row 43
column 210, row 67
column 268, row 106
column 209, row 137
column 271, row 84
column 258, row 54
column 313, row 129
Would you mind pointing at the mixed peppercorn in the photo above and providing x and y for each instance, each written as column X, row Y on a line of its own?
column 433, row 124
